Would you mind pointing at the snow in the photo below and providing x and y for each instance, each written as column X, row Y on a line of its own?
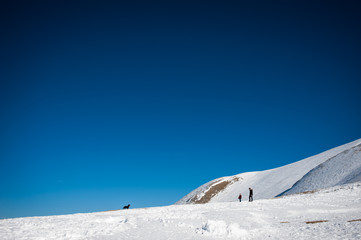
column 330, row 212
column 345, row 160
column 343, row 168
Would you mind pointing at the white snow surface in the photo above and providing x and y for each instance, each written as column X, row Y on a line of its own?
column 343, row 168
column 333, row 213
column 337, row 166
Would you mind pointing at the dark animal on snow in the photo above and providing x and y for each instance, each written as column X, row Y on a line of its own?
column 126, row 207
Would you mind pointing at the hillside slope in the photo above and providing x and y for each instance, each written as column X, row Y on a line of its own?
column 345, row 161
column 333, row 213
column 341, row 169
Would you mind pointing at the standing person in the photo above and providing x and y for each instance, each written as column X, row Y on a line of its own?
column 240, row 197
column 250, row 194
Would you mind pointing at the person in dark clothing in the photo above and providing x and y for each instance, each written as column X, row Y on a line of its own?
column 250, row 194
column 240, row 197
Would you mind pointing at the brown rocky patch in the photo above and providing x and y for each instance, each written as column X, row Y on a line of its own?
column 355, row 220
column 318, row 221
column 214, row 189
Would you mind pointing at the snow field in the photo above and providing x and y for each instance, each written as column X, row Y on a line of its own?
column 278, row 218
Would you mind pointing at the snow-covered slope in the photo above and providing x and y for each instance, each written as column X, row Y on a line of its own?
column 333, row 213
column 343, row 168
column 337, row 166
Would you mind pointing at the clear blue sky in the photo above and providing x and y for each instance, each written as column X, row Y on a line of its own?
column 108, row 103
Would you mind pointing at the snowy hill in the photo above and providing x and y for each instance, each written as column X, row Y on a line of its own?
column 334, row 167
column 333, row 213
column 330, row 213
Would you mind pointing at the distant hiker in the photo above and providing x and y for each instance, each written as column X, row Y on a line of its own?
column 240, row 197
column 126, row 207
column 250, row 194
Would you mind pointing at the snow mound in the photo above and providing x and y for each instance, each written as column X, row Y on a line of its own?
column 340, row 165
column 222, row 229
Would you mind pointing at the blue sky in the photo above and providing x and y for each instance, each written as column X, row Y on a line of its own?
column 108, row 103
